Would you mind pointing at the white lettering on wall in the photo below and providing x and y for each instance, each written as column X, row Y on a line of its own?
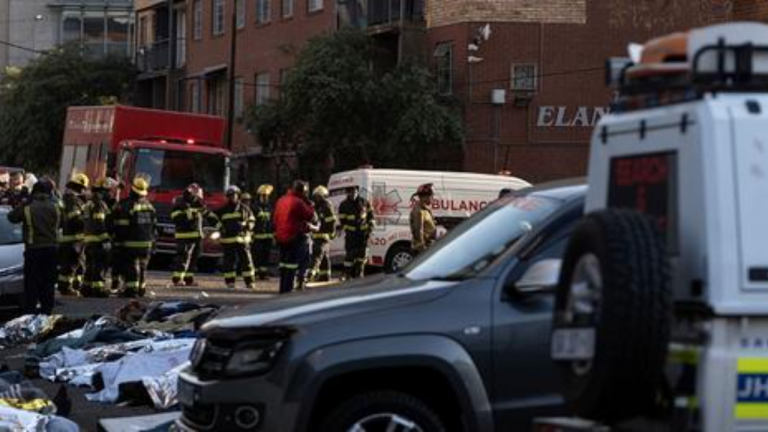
column 562, row 116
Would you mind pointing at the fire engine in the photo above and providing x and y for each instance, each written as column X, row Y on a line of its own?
column 661, row 312
column 174, row 149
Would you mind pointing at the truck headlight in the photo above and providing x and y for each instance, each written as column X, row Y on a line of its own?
column 254, row 358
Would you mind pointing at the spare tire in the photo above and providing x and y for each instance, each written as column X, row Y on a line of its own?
column 613, row 316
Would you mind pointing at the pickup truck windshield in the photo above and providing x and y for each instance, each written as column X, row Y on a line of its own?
column 478, row 241
column 175, row 170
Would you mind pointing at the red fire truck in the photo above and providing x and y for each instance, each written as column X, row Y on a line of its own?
column 173, row 148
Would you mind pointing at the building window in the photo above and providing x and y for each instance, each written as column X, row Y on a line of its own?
column 198, row 19
column 143, row 30
column 216, row 92
column 444, row 67
column 100, row 31
column 181, row 38
column 262, row 88
column 287, row 8
column 194, row 96
column 314, row 5
column 263, row 11
column 240, row 4
column 218, row 17
column 524, row 77
column 238, row 97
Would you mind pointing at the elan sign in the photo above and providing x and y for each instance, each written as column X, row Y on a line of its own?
column 568, row 117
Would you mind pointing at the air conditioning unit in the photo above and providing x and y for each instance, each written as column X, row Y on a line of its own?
column 498, row 97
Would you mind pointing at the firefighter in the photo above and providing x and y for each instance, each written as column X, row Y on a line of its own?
column 423, row 227
column 134, row 225
column 235, row 222
column 263, row 232
column 97, row 220
column 41, row 218
column 70, row 243
column 356, row 218
column 189, row 215
column 325, row 217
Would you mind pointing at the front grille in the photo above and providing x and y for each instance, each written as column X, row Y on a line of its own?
column 213, row 360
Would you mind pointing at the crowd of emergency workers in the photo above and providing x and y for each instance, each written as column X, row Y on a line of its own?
column 87, row 241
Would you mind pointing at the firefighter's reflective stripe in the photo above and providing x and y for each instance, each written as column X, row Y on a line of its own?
column 73, row 213
column 350, row 228
column 752, row 389
column 97, row 238
column 99, row 216
column 318, row 236
column 330, row 219
column 122, row 222
column 188, row 235
column 289, row 266
column 30, row 228
column 178, row 275
column 230, row 216
column 264, row 215
column 263, row 236
column 70, row 238
column 138, row 244
column 142, row 208
column 66, row 279
column 230, row 275
column 233, row 240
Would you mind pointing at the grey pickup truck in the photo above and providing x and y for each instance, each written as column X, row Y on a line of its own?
column 457, row 341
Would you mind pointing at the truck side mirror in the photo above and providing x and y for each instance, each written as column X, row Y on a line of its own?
column 541, row 278
column 614, row 71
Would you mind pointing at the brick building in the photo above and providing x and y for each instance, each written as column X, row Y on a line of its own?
column 530, row 93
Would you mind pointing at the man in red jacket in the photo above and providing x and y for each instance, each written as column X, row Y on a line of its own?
column 293, row 222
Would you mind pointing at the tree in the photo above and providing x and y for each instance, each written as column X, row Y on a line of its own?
column 334, row 103
column 34, row 101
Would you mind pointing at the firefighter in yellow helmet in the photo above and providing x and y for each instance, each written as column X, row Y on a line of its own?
column 263, row 232
column 326, row 220
column 423, row 227
column 71, row 257
column 97, row 216
column 134, row 229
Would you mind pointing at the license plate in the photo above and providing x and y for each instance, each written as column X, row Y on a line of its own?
column 188, row 393
column 573, row 344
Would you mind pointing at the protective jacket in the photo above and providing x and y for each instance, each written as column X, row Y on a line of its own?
column 235, row 222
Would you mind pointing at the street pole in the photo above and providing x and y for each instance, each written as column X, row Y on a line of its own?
column 231, row 79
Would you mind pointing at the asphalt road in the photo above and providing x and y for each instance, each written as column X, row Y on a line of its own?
column 211, row 290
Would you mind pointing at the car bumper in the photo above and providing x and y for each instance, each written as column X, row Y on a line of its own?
column 11, row 285
column 229, row 404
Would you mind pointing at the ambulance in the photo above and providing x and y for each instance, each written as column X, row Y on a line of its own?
column 457, row 196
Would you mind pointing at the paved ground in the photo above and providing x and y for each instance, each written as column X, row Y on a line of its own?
column 210, row 290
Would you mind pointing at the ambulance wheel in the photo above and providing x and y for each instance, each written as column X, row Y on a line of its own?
column 613, row 314
column 398, row 256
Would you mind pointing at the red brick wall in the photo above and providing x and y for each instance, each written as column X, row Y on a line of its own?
column 570, row 60
column 752, row 10
column 261, row 47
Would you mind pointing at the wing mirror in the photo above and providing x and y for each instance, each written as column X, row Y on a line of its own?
column 540, row 278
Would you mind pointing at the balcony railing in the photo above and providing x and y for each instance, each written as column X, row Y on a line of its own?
column 153, row 58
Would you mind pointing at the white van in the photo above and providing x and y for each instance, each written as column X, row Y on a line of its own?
column 457, row 196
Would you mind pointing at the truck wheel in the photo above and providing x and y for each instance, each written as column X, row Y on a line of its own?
column 399, row 256
column 613, row 314
column 383, row 411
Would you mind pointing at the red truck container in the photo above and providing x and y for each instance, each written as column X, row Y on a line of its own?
column 173, row 148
